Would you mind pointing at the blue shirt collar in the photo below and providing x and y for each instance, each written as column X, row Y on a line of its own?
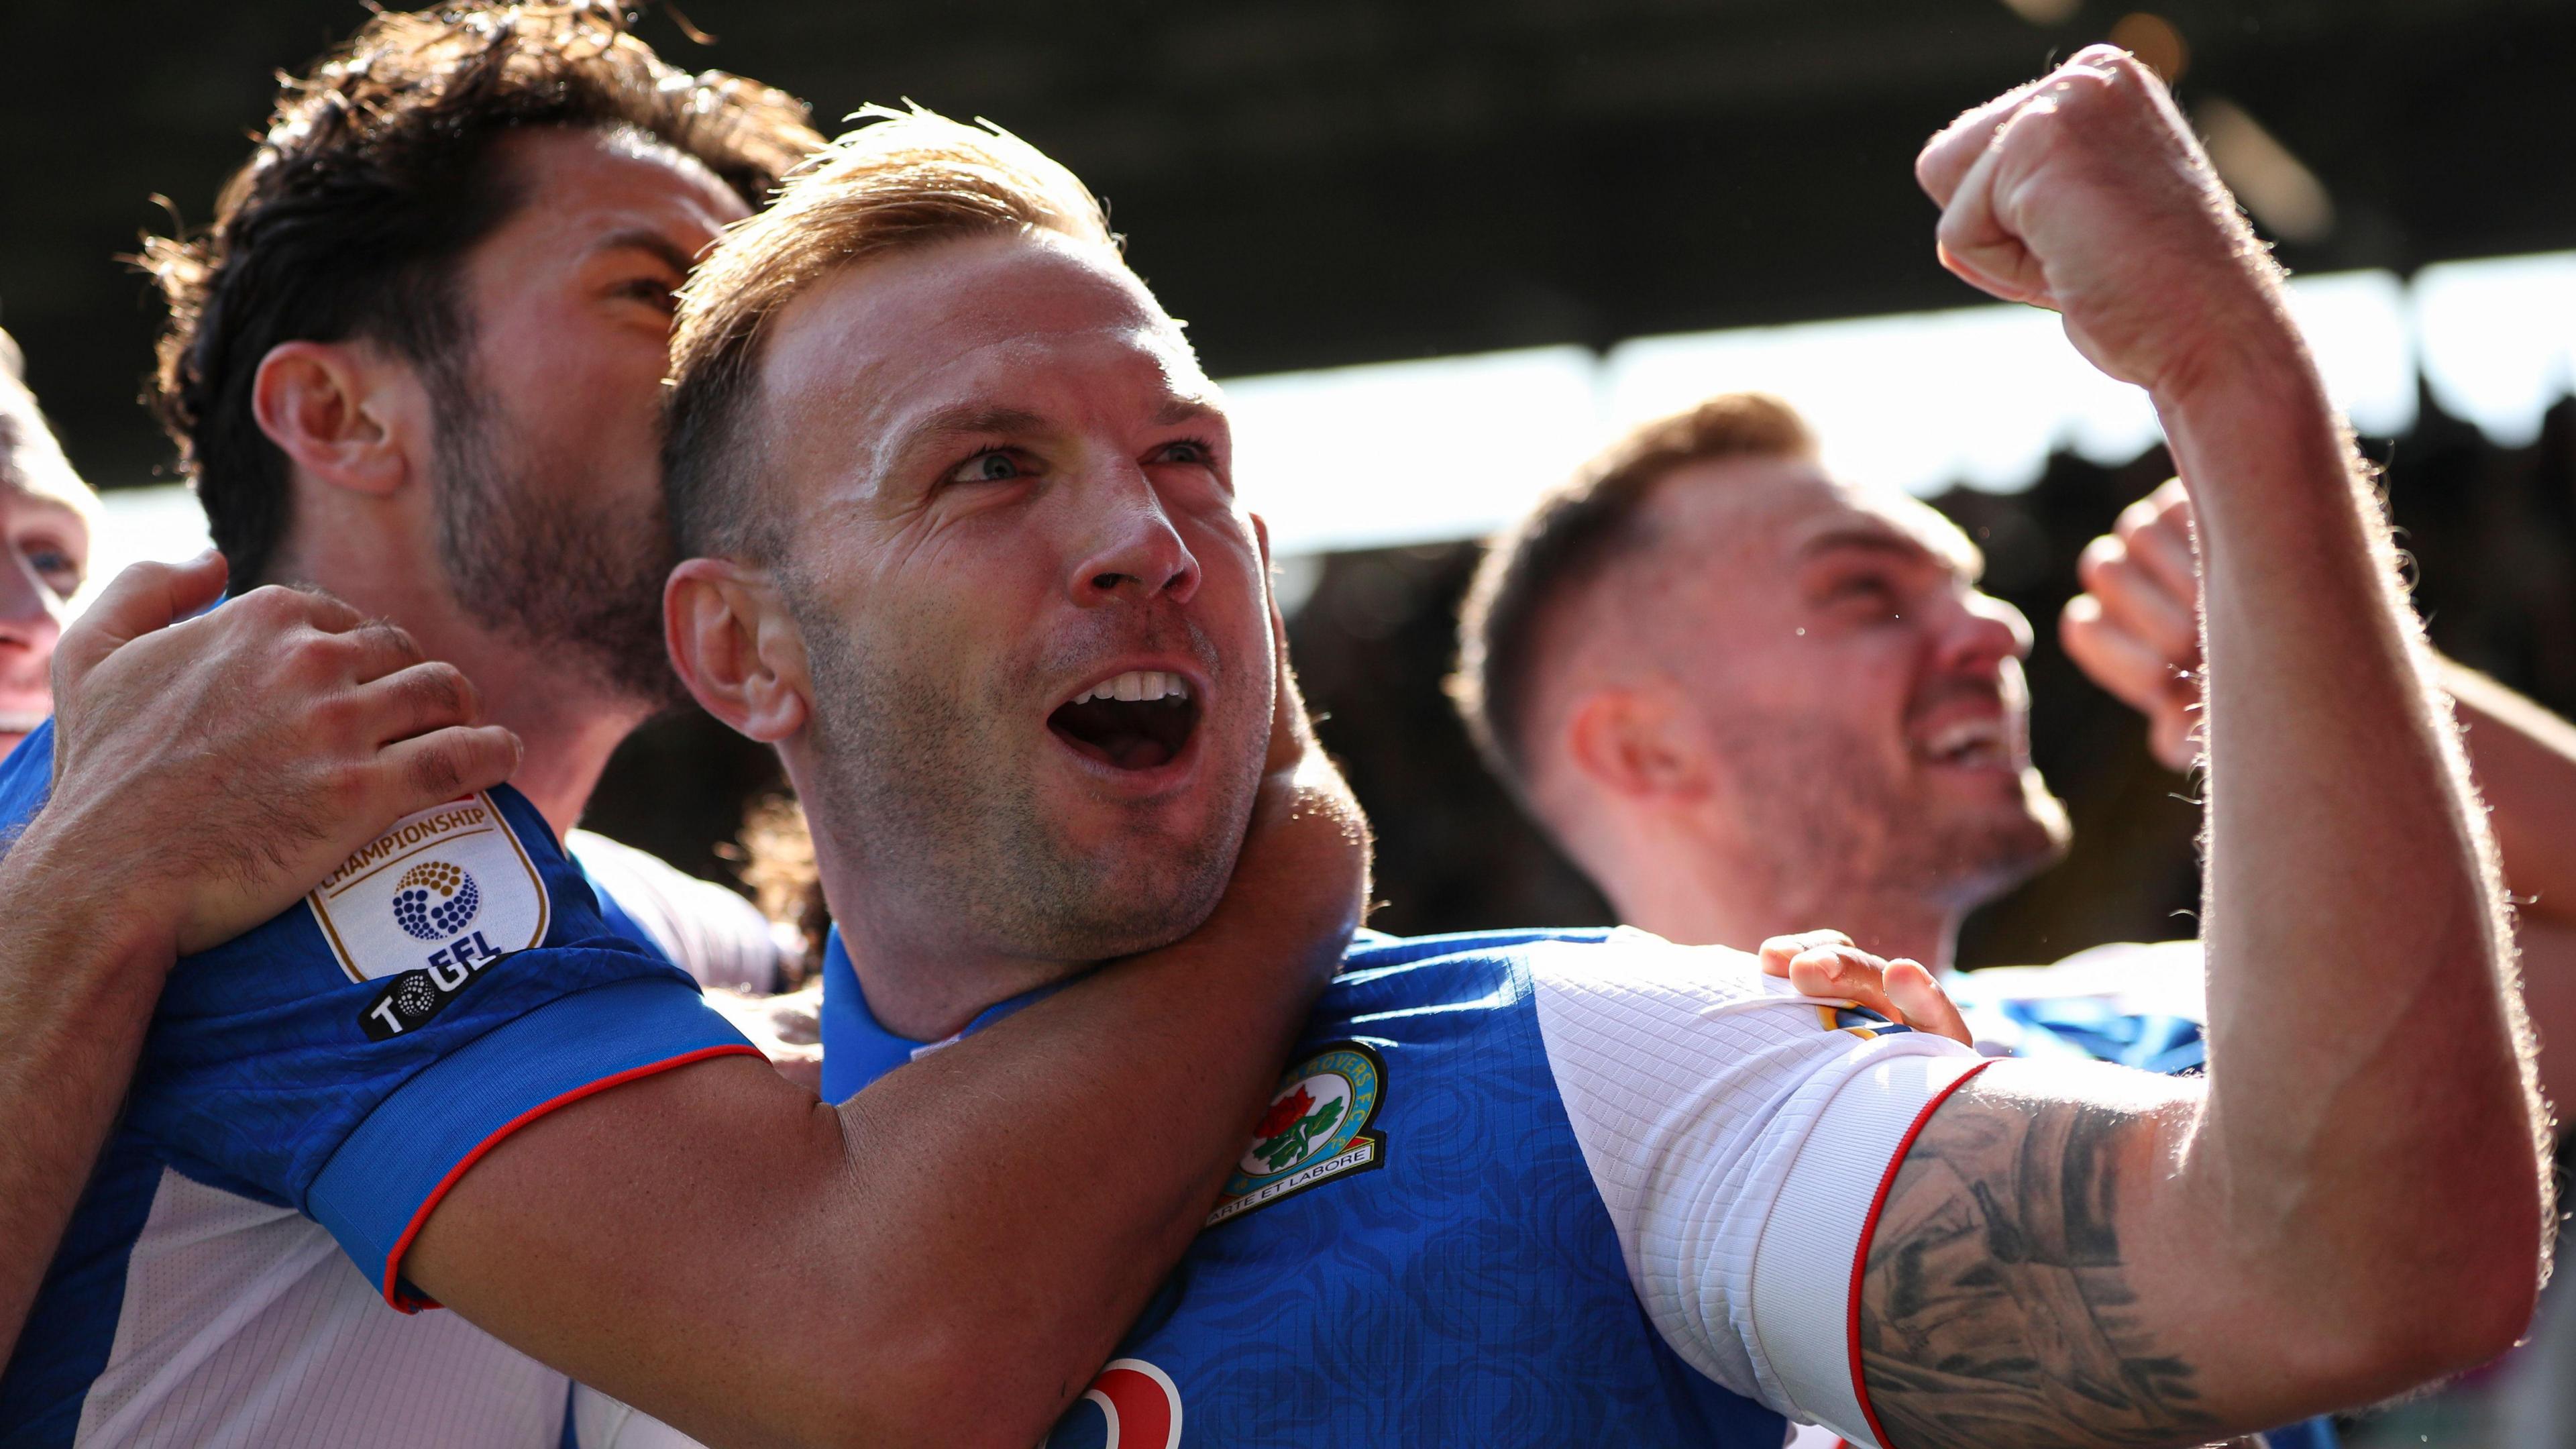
column 857, row 1049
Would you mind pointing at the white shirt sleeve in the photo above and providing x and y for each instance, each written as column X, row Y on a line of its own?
column 706, row 930
column 600, row 1422
column 1741, row 1141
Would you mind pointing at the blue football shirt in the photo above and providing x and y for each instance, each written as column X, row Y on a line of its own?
column 1518, row 1188
column 305, row 1096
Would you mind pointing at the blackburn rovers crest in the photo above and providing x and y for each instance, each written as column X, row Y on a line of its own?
column 427, row 906
column 1317, row 1129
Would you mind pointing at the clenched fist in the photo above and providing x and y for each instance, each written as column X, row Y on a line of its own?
column 2085, row 192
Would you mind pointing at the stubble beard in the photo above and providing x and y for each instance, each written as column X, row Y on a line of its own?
column 540, row 561
column 1833, row 830
column 922, row 784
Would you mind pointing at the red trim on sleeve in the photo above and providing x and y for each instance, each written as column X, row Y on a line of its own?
column 1869, row 1228
column 402, row 1245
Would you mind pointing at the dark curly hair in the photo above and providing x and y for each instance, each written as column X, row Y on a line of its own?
column 373, row 181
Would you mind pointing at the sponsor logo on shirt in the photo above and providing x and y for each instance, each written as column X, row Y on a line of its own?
column 1141, row 1403
column 1317, row 1129
column 427, row 907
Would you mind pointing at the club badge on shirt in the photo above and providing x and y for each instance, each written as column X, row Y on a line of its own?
column 427, row 906
column 1317, row 1129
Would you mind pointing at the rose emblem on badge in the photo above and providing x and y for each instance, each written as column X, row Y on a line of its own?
column 1317, row 1129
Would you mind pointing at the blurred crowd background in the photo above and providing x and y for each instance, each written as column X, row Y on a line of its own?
column 1427, row 237
column 1498, row 197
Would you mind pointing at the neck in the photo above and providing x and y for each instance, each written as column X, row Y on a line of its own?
column 924, row 995
column 922, row 980
column 569, row 726
column 1698, row 895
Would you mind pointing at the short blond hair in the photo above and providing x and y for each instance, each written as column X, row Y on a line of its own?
column 905, row 180
column 31, row 460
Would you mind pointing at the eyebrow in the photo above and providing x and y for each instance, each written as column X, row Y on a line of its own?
column 970, row 418
column 1183, row 410
column 1873, row 539
column 1882, row 541
column 959, row 418
column 638, row 239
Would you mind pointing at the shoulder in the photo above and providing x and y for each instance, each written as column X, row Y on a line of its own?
column 1634, row 1005
column 1489, row 969
column 1627, row 961
column 710, row 932
column 641, row 876
column 1599, row 993
column 1601, row 965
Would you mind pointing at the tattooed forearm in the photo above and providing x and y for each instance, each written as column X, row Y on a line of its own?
column 1995, row 1308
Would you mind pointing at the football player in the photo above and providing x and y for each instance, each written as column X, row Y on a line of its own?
column 414, row 362
column 967, row 552
column 417, row 362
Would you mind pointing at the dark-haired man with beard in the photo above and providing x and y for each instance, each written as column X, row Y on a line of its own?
column 417, row 363
column 414, row 363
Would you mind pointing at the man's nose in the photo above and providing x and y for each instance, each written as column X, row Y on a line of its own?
column 1134, row 551
column 28, row 616
column 1982, row 632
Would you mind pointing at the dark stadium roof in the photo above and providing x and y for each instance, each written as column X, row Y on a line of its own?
column 1342, row 181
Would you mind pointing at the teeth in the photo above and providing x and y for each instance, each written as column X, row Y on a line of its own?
column 1976, row 736
column 1137, row 685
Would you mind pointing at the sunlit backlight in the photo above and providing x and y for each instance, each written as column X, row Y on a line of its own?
column 2044, row 12
column 2154, row 41
column 2279, row 189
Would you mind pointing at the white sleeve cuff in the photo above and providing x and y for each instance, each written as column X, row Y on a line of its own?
column 1807, row 1263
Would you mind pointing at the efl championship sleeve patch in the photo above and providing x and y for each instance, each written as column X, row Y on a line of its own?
column 427, row 907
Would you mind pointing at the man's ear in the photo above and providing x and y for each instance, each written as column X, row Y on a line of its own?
column 737, row 648
column 1269, row 581
column 1630, row 742
column 1261, row 540
column 345, row 412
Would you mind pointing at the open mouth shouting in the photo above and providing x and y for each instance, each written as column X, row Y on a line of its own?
column 1139, row 720
column 1982, row 744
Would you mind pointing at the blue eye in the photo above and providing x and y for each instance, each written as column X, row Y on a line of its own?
column 60, row 571
column 998, row 466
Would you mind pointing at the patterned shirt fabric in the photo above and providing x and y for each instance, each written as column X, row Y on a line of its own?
column 1520, row 1188
column 305, row 1095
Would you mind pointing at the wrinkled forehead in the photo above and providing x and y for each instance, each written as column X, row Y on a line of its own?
column 1768, row 516
column 1039, row 324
